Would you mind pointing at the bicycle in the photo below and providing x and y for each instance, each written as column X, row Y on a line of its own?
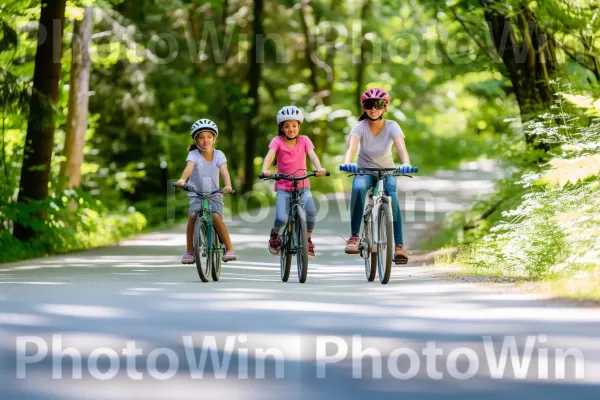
column 376, row 237
column 208, row 247
column 294, row 237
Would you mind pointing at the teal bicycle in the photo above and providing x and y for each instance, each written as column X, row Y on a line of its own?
column 208, row 248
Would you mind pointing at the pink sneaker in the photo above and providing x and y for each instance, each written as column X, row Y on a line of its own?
column 187, row 258
column 229, row 256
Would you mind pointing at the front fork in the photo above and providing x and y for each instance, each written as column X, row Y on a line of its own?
column 375, row 217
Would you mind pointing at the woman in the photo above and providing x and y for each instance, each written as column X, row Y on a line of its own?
column 376, row 136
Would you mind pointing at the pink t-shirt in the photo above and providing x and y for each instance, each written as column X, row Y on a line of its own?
column 291, row 160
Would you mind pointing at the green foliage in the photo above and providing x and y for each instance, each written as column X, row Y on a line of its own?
column 452, row 100
column 555, row 215
column 73, row 221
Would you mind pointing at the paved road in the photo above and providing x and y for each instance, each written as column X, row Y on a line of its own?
column 131, row 322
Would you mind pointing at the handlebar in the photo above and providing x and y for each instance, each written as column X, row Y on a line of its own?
column 277, row 177
column 188, row 188
column 413, row 170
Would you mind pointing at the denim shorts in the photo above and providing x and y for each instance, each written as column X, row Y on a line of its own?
column 215, row 205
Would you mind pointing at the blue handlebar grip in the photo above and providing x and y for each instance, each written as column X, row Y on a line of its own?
column 414, row 170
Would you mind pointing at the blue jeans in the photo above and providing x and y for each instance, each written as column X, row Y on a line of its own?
column 360, row 187
column 282, row 208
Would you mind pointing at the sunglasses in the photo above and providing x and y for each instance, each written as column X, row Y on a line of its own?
column 379, row 104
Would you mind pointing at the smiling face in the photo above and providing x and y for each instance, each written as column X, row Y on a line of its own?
column 205, row 140
column 374, row 108
column 291, row 129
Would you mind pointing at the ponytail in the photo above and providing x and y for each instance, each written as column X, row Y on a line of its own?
column 192, row 147
column 363, row 116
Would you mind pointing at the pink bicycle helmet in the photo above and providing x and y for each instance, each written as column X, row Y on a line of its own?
column 376, row 93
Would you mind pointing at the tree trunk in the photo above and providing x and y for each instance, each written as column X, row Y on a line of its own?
column 323, row 93
column 361, row 66
column 254, row 75
column 35, row 171
column 70, row 169
column 530, row 64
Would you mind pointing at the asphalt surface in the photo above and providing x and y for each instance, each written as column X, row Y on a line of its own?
column 130, row 321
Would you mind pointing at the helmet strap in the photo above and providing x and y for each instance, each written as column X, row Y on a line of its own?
column 375, row 119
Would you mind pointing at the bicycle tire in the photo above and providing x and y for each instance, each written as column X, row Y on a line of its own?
column 216, row 251
column 368, row 256
column 301, row 241
column 385, row 246
column 201, row 253
column 285, row 259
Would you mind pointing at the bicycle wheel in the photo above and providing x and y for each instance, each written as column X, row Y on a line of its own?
column 201, row 253
column 385, row 245
column 365, row 247
column 285, row 259
column 216, row 252
column 301, row 241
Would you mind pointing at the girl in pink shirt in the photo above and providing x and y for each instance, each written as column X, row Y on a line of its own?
column 291, row 149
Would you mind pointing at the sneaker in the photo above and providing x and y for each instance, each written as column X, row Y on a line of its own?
column 187, row 258
column 352, row 245
column 274, row 242
column 311, row 250
column 229, row 256
column 400, row 255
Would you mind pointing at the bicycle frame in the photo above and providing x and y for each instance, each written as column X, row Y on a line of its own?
column 377, row 199
column 204, row 215
column 290, row 227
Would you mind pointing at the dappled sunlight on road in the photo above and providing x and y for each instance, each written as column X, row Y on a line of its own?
column 139, row 292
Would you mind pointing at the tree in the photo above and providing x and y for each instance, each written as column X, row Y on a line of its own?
column 35, row 171
column 362, row 64
column 70, row 169
column 254, row 78
column 531, row 62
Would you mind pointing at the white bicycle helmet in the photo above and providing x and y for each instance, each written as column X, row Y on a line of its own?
column 203, row 124
column 289, row 113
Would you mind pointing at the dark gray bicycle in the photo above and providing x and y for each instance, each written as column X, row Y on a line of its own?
column 294, row 237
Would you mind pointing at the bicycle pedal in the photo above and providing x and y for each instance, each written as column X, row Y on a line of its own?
column 400, row 260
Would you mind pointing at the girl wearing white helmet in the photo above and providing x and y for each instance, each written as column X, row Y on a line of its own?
column 291, row 149
column 203, row 166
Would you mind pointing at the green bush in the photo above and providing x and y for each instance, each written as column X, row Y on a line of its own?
column 548, row 217
column 73, row 221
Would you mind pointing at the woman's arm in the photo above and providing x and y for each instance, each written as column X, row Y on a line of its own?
column 187, row 172
column 226, row 178
column 268, row 161
column 351, row 151
column 401, row 148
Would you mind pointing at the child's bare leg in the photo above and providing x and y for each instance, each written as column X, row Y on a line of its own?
column 222, row 231
column 309, row 234
column 189, row 233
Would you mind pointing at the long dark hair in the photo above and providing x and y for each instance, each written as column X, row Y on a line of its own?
column 192, row 147
column 364, row 115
